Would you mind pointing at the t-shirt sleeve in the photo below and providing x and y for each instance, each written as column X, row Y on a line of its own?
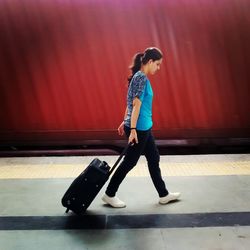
column 139, row 86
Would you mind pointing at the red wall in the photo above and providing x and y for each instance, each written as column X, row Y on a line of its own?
column 64, row 66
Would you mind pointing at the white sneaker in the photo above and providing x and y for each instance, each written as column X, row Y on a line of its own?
column 113, row 201
column 170, row 197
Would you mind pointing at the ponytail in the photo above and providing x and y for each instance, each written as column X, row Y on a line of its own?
column 136, row 66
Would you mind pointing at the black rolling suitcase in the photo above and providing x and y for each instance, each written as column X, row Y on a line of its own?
column 86, row 186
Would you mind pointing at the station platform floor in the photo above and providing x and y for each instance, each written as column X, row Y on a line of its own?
column 212, row 213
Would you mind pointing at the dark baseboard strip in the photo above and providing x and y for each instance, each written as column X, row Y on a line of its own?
column 142, row 221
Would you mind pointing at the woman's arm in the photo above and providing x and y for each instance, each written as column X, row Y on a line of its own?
column 134, row 118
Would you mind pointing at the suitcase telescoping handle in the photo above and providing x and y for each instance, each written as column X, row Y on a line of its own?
column 120, row 157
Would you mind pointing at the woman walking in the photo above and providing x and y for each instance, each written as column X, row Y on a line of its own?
column 137, row 126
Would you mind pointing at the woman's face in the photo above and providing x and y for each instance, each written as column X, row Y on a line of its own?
column 154, row 66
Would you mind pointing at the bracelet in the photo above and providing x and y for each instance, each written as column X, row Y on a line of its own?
column 132, row 128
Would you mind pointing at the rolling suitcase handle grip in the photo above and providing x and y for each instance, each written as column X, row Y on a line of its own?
column 120, row 157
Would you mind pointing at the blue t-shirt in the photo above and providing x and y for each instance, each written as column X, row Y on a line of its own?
column 140, row 87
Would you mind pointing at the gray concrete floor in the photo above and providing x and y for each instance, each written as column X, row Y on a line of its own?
column 229, row 238
column 200, row 194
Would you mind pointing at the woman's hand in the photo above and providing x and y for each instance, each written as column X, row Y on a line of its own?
column 133, row 137
column 121, row 129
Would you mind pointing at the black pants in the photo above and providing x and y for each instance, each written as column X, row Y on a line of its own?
column 146, row 145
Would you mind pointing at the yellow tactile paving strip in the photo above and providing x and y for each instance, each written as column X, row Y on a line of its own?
column 70, row 167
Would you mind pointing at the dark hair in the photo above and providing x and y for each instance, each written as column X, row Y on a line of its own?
column 151, row 53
